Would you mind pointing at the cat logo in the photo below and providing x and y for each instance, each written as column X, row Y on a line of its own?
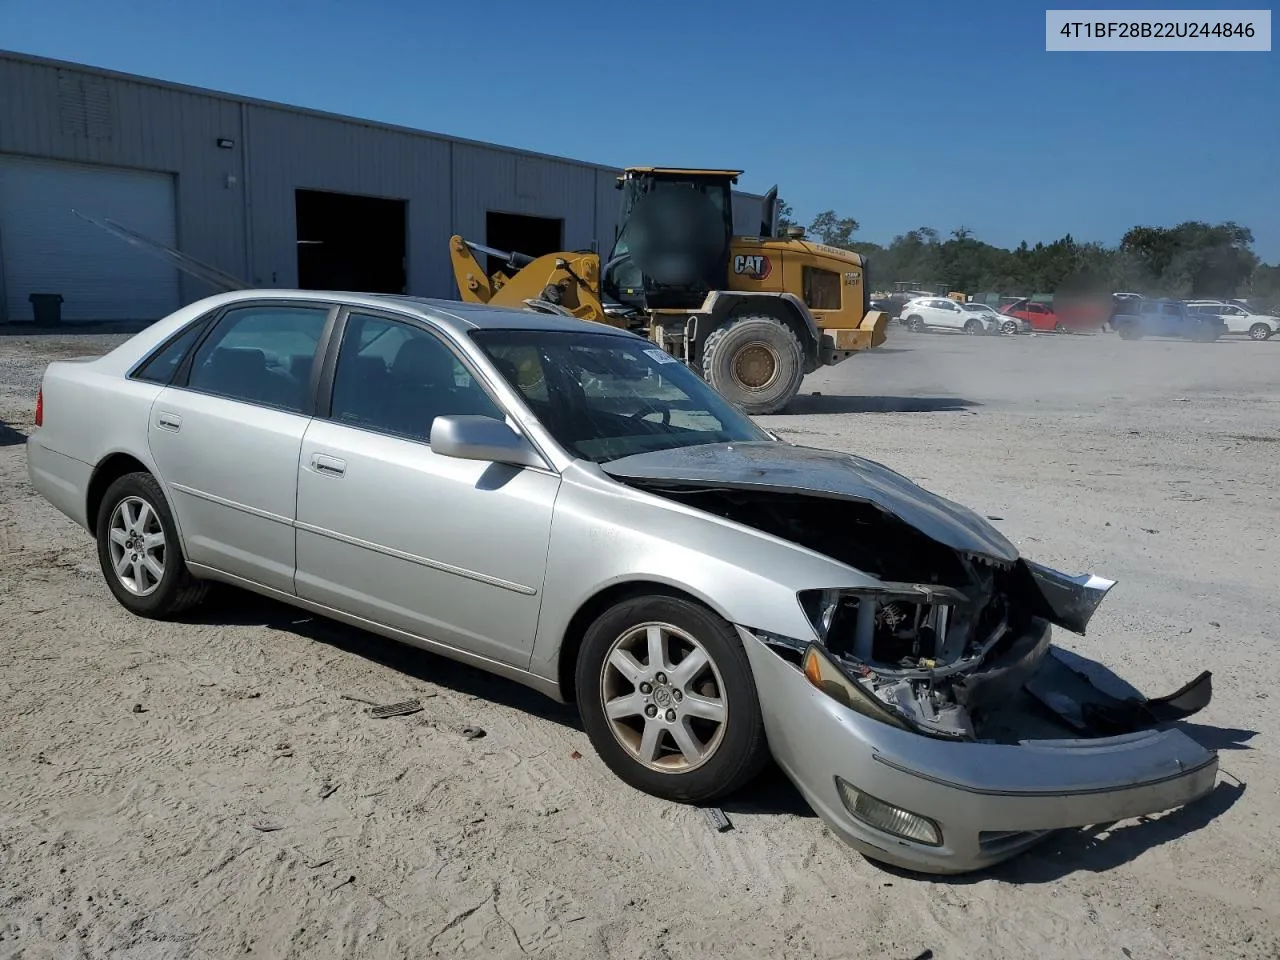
column 752, row 266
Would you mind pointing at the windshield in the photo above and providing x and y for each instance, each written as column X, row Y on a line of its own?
column 604, row 396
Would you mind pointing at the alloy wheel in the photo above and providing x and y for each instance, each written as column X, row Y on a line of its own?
column 137, row 546
column 664, row 698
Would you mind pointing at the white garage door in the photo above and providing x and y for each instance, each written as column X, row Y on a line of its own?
column 45, row 248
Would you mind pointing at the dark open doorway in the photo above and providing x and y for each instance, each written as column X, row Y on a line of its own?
column 347, row 242
column 514, row 232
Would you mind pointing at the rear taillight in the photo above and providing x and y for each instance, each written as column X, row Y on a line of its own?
column 40, row 407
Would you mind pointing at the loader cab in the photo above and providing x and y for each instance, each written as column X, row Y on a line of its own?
column 672, row 245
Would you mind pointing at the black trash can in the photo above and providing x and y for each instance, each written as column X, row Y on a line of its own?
column 47, row 308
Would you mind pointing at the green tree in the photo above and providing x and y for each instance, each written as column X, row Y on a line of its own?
column 786, row 217
column 832, row 230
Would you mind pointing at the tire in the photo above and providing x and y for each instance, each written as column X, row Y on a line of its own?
column 1059, row 327
column 1009, row 327
column 755, row 362
column 736, row 748
column 915, row 324
column 1260, row 331
column 1130, row 332
column 134, row 505
column 973, row 327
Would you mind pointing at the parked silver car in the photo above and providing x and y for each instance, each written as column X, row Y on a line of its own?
column 565, row 504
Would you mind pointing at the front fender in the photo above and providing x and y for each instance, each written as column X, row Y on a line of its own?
column 604, row 534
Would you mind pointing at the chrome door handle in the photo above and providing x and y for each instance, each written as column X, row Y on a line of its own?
column 169, row 421
column 331, row 466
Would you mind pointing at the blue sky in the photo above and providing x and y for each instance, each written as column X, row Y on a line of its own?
column 974, row 123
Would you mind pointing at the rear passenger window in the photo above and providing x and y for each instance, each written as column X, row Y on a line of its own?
column 396, row 378
column 261, row 355
column 161, row 365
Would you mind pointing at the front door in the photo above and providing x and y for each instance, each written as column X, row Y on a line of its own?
column 226, row 435
column 450, row 550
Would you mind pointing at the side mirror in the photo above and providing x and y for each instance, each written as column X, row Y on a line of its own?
column 482, row 438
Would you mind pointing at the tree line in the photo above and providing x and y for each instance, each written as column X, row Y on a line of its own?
column 1192, row 259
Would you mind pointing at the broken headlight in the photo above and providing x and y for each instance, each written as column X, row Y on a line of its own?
column 820, row 671
column 898, row 624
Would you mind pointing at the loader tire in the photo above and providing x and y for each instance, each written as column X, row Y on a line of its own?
column 755, row 362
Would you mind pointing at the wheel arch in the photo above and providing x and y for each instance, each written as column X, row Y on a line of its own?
column 597, row 604
column 109, row 469
column 725, row 306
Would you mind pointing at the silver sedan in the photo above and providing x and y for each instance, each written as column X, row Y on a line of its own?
column 565, row 504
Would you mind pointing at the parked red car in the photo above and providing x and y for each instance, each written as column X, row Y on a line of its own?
column 1073, row 318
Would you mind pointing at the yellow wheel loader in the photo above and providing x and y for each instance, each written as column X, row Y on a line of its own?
column 752, row 315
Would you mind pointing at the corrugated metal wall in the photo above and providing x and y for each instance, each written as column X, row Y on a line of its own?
column 236, row 206
column 143, row 126
column 289, row 151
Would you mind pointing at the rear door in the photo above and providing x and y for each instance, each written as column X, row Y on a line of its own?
column 1237, row 320
column 227, row 432
column 950, row 315
column 445, row 549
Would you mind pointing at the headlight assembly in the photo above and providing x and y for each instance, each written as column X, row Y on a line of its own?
column 820, row 671
column 898, row 618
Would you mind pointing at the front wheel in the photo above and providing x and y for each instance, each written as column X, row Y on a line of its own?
column 1059, row 327
column 756, row 362
column 915, row 324
column 1009, row 327
column 1260, row 331
column 668, row 700
column 139, row 552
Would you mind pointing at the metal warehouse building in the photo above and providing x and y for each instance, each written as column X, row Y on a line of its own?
column 277, row 195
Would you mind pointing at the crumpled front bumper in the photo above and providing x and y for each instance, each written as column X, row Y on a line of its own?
column 990, row 801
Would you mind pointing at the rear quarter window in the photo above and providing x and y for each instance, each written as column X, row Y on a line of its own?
column 164, row 362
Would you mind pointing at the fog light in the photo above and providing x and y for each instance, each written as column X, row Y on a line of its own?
column 887, row 817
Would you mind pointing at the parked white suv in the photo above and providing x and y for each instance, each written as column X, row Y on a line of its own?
column 1259, row 326
column 940, row 313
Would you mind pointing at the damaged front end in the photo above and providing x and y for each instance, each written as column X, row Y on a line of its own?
column 928, row 718
column 969, row 663
column 952, row 638
column 976, row 664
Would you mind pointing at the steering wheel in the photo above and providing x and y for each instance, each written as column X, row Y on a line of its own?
column 645, row 411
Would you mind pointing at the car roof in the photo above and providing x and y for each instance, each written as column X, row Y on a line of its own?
column 457, row 316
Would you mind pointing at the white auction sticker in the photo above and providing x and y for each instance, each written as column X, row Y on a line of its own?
column 661, row 356
column 1180, row 31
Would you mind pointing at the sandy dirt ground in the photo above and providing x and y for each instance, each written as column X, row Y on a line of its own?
column 249, row 810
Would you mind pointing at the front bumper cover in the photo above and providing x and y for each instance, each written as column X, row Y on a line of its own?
column 991, row 801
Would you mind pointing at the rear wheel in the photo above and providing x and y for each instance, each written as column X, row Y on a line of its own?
column 668, row 700
column 973, row 327
column 138, row 550
column 1130, row 331
column 755, row 362
column 1260, row 331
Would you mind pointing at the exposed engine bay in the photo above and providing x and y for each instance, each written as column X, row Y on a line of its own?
column 950, row 643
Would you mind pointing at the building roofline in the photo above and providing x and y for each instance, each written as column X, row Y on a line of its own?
column 31, row 58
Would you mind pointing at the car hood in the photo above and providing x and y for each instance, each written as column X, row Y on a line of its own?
column 787, row 468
